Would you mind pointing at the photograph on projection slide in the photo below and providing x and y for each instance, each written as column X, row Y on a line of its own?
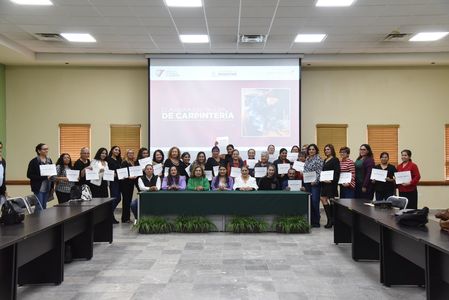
column 266, row 112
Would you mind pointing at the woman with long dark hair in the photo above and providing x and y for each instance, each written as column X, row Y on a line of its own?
column 409, row 190
column 385, row 189
column 173, row 181
column 235, row 162
column 114, row 162
column 63, row 185
column 282, row 159
column 99, row 187
column 363, row 167
column 329, row 187
column 222, row 182
column 270, row 181
column 158, row 158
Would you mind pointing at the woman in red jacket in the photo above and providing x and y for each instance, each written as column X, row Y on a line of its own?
column 409, row 189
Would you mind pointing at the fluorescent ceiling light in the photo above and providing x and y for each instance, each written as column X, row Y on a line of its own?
column 428, row 36
column 32, row 2
column 184, row 3
column 194, row 38
column 309, row 38
column 79, row 37
column 334, row 3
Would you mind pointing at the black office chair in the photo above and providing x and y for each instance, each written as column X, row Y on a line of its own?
column 28, row 203
column 399, row 202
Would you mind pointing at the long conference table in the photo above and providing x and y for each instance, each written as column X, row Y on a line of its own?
column 32, row 252
column 407, row 255
column 250, row 203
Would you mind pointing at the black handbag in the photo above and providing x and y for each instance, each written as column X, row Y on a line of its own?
column 12, row 213
column 75, row 192
column 414, row 218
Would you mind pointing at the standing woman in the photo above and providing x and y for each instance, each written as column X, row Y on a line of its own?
column 174, row 159
column 81, row 164
column 185, row 157
column 263, row 162
column 245, row 182
column 3, row 193
column 282, row 159
column 251, row 155
column 270, row 181
column 222, row 182
column 200, row 161
column 63, row 185
column 314, row 163
column 99, row 188
column 213, row 161
column 235, row 162
column 127, row 185
column 142, row 153
column 41, row 186
column 363, row 166
column 114, row 162
column 347, row 190
column 409, row 190
column 228, row 156
column 385, row 189
column 295, row 149
column 158, row 158
column 271, row 155
column 329, row 187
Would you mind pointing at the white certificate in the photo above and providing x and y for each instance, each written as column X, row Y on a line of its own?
column 292, row 156
column 345, row 177
column 122, row 173
column 298, row 166
column 72, row 175
column 309, row 177
column 216, row 170
column 251, row 163
column 236, row 172
column 222, row 141
column 166, row 170
column 295, row 185
column 327, row 175
column 403, row 177
column 145, row 161
column 271, row 158
column 208, row 174
column 93, row 174
column 283, row 168
column 187, row 170
column 260, row 172
column 157, row 169
column 108, row 175
column 135, row 171
column 48, row 170
column 379, row 175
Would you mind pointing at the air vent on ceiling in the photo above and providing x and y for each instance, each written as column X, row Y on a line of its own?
column 252, row 38
column 396, row 36
column 49, row 37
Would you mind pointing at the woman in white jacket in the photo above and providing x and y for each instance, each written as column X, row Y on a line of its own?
column 99, row 187
column 245, row 182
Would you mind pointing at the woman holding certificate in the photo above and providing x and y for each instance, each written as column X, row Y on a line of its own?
column 149, row 182
column 363, row 166
column 158, row 158
column 127, row 185
column 281, row 165
column 63, row 185
column 114, row 162
column 99, row 187
column 245, row 182
column 173, row 181
column 214, row 161
column 270, row 181
column 313, row 164
column 347, row 190
column 174, row 159
column 251, row 161
column 387, row 188
column 409, row 189
column 41, row 186
column 329, row 186
column 235, row 162
column 262, row 163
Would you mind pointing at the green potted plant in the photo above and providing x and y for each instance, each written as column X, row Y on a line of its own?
column 152, row 225
column 245, row 224
column 291, row 224
column 193, row 224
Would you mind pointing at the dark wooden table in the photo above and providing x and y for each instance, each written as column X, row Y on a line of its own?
column 32, row 252
column 408, row 255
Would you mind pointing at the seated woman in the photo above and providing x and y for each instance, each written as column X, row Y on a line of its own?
column 222, row 182
column 174, row 182
column 245, row 182
column 148, row 182
column 198, row 180
column 269, row 181
column 291, row 175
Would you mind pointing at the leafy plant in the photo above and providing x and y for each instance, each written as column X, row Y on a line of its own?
column 291, row 224
column 193, row 224
column 154, row 224
column 243, row 224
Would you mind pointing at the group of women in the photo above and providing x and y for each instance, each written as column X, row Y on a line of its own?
column 184, row 175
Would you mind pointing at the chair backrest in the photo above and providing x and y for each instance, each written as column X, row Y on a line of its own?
column 399, row 202
column 28, row 202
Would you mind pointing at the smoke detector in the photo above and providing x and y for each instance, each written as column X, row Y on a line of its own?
column 49, row 37
column 396, row 36
column 252, row 38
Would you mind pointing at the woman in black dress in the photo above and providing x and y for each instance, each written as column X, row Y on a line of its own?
column 329, row 187
column 174, row 159
column 127, row 185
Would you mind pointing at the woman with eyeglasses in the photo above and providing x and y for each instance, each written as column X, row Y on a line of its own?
column 363, row 167
column 41, row 186
column 409, row 190
column 314, row 163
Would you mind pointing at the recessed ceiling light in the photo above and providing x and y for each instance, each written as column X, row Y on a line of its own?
column 428, row 36
column 79, row 37
column 194, row 38
column 184, row 3
column 32, row 2
column 309, row 38
column 334, row 3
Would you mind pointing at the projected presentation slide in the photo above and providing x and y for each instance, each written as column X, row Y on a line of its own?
column 249, row 105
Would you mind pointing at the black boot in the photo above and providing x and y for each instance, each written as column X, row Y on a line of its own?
column 327, row 209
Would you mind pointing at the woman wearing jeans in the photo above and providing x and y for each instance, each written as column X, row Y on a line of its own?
column 41, row 186
column 314, row 163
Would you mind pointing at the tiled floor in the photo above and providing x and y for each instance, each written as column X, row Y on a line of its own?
column 220, row 266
